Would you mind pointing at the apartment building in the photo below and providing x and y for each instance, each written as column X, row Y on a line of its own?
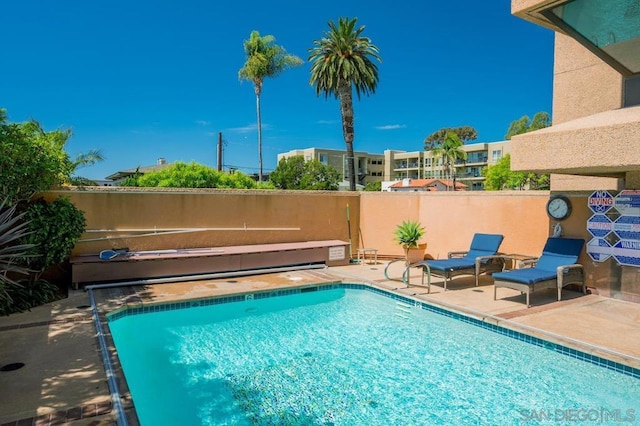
column 369, row 167
column 594, row 140
column 396, row 165
column 424, row 165
column 592, row 148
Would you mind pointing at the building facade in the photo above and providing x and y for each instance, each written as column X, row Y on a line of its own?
column 424, row 165
column 592, row 148
column 396, row 165
column 594, row 141
column 369, row 167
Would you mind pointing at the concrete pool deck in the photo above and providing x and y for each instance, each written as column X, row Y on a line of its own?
column 64, row 382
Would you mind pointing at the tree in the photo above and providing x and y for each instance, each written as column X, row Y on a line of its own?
column 465, row 133
column 296, row 173
column 191, row 175
column 341, row 61
column 373, row 186
column 500, row 176
column 450, row 151
column 264, row 59
column 32, row 159
column 517, row 127
column 84, row 160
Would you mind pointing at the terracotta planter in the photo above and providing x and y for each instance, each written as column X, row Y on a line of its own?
column 416, row 254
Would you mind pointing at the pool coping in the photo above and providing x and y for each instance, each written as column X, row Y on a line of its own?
column 593, row 354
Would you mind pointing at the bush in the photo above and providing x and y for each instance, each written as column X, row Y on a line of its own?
column 193, row 175
column 32, row 160
column 296, row 173
column 55, row 228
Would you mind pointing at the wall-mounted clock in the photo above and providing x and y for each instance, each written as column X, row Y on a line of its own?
column 558, row 207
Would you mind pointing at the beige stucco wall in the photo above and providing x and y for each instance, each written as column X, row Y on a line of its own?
column 314, row 215
column 450, row 219
column 582, row 83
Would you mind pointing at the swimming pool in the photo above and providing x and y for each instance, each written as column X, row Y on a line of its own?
column 345, row 355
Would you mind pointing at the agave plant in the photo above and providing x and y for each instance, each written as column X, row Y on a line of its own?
column 12, row 228
column 408, row 233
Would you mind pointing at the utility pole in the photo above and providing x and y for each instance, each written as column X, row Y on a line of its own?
column 219, row 151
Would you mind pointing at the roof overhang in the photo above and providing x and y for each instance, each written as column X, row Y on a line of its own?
column 603, row 144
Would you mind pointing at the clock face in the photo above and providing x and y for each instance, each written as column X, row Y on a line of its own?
column 559, row 207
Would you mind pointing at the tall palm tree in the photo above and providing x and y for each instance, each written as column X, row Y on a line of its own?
column 450, row 151
column 264, row 59
column 341, row 61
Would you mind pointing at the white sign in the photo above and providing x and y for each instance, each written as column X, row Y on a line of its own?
column 336, row 253
column 627, row 252
column 599, row 249
column 599, row 225
column 627, row 202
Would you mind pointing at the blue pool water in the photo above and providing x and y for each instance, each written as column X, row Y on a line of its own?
column 353, row 357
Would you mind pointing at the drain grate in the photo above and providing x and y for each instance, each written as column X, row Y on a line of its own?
column 12, row 367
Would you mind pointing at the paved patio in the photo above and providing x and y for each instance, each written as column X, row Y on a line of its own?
column 63, row 379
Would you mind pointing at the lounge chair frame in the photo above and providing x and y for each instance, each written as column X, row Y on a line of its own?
column 565, row 275
column 559, row 255
column 483, row 265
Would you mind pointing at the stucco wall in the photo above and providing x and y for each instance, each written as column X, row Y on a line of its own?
column 313, row 215
column 582, row 84
column 451, row 218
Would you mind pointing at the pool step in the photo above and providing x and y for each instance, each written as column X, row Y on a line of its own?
column 403, row 310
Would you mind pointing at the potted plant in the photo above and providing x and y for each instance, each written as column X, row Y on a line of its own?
column 408, row 235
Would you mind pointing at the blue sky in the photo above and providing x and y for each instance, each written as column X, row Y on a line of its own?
column 146, row 79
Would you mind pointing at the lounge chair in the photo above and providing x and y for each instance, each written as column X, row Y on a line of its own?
column 481, row 258
column 556, row 268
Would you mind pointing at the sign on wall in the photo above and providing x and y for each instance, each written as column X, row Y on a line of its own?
column 615, row 227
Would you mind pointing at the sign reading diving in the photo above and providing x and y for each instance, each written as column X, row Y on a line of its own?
column 600, row 202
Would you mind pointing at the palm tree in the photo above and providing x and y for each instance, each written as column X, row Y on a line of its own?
column 450, row 151
column 341, row 61
column 83, row 160
column 264, row 59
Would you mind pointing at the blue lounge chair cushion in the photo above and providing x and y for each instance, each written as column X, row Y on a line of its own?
column 525, row 275
column 485, row 243
column 451, row 264
column 556, row 252
column 481, row 245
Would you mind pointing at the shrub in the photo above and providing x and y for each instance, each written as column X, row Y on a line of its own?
column 55, row 228
column 12, row 229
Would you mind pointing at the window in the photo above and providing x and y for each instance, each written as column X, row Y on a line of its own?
column 323, row 158
column 632, row 91
column 610, row 29
column 496, row 155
